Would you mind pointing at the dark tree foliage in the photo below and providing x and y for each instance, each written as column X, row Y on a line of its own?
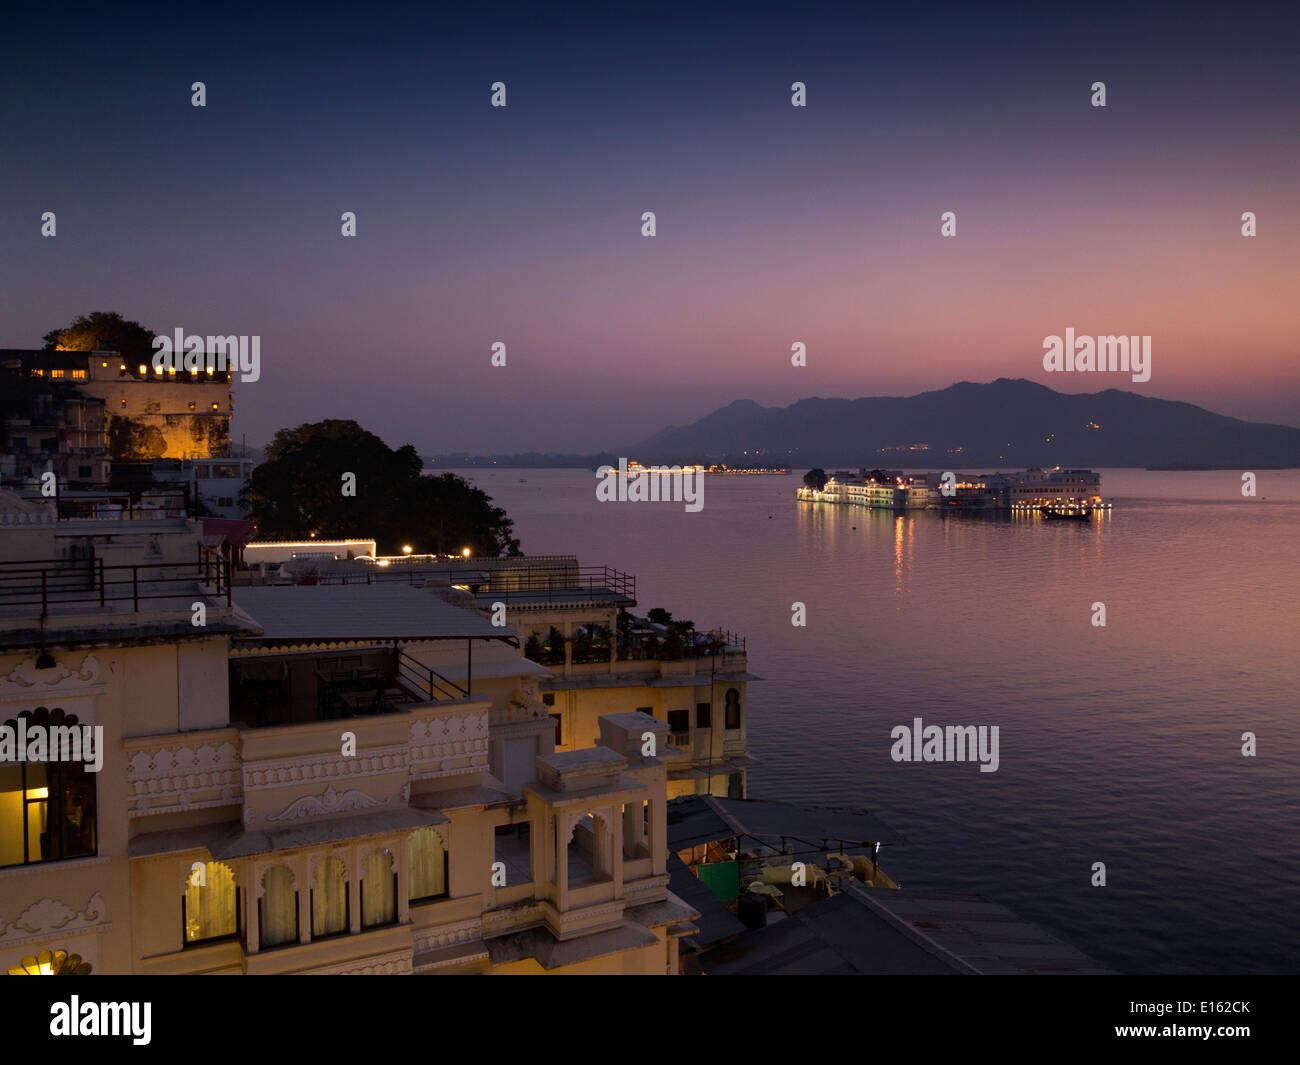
column 104, row 331
column 815, row 479
column 298, row 492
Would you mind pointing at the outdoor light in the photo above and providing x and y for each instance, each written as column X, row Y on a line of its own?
column 406, row 549
column 465, row 552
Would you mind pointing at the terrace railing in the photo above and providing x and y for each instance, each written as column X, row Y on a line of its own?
column 427, row 679
column 535, row 584
column 98, row 502
column 73, row 581
column 557, row 585
column 699, row 644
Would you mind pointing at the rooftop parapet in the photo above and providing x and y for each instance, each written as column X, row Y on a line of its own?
column 576, row 771
column 625, row 733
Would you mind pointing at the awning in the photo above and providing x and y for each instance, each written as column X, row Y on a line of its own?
column 218, row 531
column 320, row 613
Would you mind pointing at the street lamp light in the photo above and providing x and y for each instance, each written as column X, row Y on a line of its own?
column 465, row 552
column 406, row 549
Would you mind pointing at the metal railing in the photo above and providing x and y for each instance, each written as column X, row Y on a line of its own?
column 427, row 679
column 98, row 501
column 545, row 585
column 555, row 585
column 65, row 582
column 696, row 644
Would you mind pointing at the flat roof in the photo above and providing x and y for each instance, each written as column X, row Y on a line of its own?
column 840, row 936
column 984, row 934
column 320, row 613
column 881, row 932
column 697, row 819
column 715, row 922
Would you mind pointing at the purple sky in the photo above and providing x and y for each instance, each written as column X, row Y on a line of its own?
column 775, row 224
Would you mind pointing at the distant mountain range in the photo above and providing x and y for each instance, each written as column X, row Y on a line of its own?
column 1005, row 423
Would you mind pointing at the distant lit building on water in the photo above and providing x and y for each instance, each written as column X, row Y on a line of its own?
column 1033, row 489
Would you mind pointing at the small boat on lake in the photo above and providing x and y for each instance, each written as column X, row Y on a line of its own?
column 1066, row 513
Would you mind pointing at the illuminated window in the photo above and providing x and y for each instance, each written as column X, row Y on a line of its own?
column 210, row 906
column 277, row 909
column 329, row 899
column 426, row 860
column 56, row 373
column 38, row 373
column 47, row 808
column 378, row 889
column 78, row 375
column 52, row 963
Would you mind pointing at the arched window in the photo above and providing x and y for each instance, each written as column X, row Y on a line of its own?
column 277, row 918
column 378, row 889
column 211, row 904
column 732, row 709
column 427, row 862
column 47, row 802
column 329, row 899
column 52, row 963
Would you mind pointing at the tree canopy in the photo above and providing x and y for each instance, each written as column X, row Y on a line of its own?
column 815, row 479
column 298, row 492
column 103, row 330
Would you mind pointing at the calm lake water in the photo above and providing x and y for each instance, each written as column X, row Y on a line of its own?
column 1119, row 745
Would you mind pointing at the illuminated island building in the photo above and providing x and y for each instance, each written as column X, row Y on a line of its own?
column 896, row 490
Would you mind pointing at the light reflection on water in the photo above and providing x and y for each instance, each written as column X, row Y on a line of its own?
column 1119, row 745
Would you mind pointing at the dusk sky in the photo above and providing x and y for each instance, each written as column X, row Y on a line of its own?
column 775, row 224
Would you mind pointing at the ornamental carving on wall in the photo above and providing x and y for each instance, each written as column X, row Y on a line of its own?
column 26, row 680
column 53, row 915
column 328, row 801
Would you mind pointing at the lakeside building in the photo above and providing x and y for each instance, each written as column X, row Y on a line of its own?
column 598, row 657
column 332, row 779
column 148, row 413
column 895, row 490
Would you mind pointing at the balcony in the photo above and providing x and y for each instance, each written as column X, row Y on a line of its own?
column 675, row 642
column 214, row 767
column 272, row 690
column 78, row 586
